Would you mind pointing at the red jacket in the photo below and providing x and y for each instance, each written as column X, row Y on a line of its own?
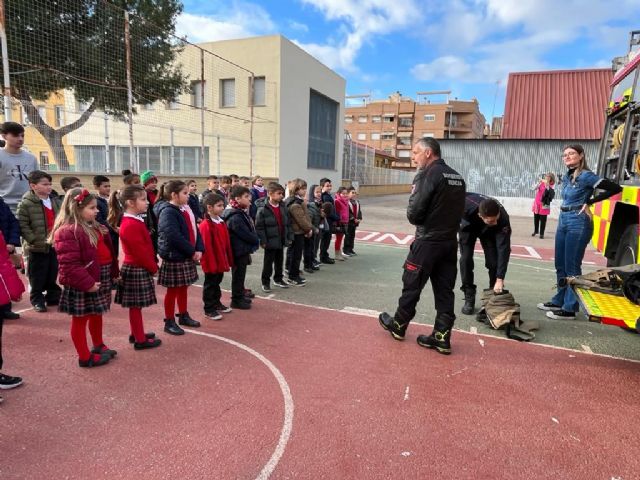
column 136, row 245
column 342, row 209
column 11, row 287
column 78, row 258
column 217, row 256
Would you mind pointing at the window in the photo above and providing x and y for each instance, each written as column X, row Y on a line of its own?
column 430, row 117
column 376, row 119
column 44, row 160
column 59, row 112
column 428, row 135
column 42, row 111
column 388, row 118
column 389, row 150
column 363, row 119
column 228, row 92
column 406, row 122
column 196, row 94
column 348, row 119
column 375, row 136
column 404, row 141
column 362, row 136
column 259, row 93
column 404, row 154
column 323, row 119
column 388, row 136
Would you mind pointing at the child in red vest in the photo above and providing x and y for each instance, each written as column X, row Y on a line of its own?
column 136, row 289
column 11, row 289
column 217, row 257
column 87, row 265
column 180, row 247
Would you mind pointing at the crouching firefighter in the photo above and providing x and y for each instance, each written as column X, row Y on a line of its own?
column 486, row 220
column 435, row 207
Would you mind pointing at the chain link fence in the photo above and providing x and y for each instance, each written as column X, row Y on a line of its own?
column 100, row 88
column 359, row 166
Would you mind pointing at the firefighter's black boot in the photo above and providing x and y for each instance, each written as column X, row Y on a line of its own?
column 395, row 327
column 469, row 301
column 441, row 335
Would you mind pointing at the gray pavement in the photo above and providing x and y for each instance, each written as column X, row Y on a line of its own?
column 372, row 281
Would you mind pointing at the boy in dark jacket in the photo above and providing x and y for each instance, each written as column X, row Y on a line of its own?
column 36, row 213
column 328, row 206
column 244, row 241
column 272, row 226
column 10, row 229
column 194, row 203
column 355, row 217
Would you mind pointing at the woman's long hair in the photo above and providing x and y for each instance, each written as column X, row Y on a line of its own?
column 582, row 166
column 70, row 213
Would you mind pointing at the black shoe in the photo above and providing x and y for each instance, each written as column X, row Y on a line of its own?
column 352, row 253
column 296, row 282
column 391, row 325
column 150, row 343
column 149, row 335
column 40, row 307
column 437, row 340
column 328, row 261
column 560, row 314
column 9, row 315
column 171, row 327
column 241, row 305
column 315, row 267
column 549, row 307
column 215, row 315
column 103, row 349
column 53, row 303
column 8, row 382
column 95, row 361
column 534, row 234
column 308, row 270
column 316, row 264
column 222, row 308
column 248, row 293
column 541, row 237
column 469, row 301
column 186, row 320
column 266, row 288
column 281, row 284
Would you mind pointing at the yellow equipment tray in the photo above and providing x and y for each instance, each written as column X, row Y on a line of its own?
column 609, row 309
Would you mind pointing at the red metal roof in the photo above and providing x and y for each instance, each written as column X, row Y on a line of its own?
column 559, row 104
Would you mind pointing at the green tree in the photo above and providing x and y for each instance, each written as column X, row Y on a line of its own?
column 79, row 45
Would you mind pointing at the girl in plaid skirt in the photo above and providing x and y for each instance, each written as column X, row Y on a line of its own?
column 136, row 289
column 180, row 247
column 87, row 265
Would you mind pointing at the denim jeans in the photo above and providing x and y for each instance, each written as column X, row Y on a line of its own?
column 572, row 237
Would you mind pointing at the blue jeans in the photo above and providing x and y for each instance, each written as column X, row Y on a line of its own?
column 573, row 235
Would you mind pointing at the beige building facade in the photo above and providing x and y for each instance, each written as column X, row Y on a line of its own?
column 393, row 125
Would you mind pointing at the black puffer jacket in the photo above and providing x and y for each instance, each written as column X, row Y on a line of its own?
column 173, row 234
column 244, row 239
column 267, row 225
column 437, row 202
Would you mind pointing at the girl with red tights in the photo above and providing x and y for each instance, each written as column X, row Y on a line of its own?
column 180, row 247
column 87, row 266
column 136, row 289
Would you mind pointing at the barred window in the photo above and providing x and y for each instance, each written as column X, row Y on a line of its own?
column 323, row 119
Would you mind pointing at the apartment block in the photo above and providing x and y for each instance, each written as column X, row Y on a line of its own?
column 393, row 125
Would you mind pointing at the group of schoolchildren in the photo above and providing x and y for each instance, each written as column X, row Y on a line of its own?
column 73, row 241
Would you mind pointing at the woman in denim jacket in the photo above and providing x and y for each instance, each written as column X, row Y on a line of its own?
column 575, row 227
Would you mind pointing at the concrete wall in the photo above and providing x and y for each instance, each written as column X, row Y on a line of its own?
column 299, row 73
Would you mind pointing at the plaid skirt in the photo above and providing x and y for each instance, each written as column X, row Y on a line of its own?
column 77, row 303
column 177, row 274
column 136, row 289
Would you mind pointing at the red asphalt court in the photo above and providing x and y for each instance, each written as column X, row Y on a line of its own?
column 361, row 405
column 518, row 251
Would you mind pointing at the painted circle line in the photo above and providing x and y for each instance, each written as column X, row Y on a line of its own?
column 287, row 424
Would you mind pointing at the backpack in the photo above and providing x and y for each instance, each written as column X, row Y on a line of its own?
column 548, row 196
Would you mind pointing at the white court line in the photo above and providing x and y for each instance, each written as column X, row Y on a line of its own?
column 24, row 310
column 586, row 348
column 287, row 425
column 406, row 394
column 473, row 330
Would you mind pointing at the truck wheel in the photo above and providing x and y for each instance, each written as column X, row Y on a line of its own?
column 628, row 247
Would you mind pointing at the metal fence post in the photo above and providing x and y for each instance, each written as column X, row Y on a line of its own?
column 127, row 45
column 172, row 151
column 107, row 166
column 251, row 100
column 218, row 159
column 203, row 168
column 5, row 65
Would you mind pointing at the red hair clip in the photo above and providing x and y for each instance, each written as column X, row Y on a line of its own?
column 81, row 196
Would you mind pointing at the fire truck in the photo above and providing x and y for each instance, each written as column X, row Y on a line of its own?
column 605, row 295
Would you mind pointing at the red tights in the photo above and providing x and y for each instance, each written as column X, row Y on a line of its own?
column 175, row 294
column 339, row 237
column 137, row 327
column 79, row 334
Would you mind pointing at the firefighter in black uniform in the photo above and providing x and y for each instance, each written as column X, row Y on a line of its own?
column 484, row 219
column 435, row 208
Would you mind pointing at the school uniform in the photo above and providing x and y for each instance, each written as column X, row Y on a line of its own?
column 273, row 228
column 355, row 215
column 216, row 260
column 136, row 288
column 244, row 241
